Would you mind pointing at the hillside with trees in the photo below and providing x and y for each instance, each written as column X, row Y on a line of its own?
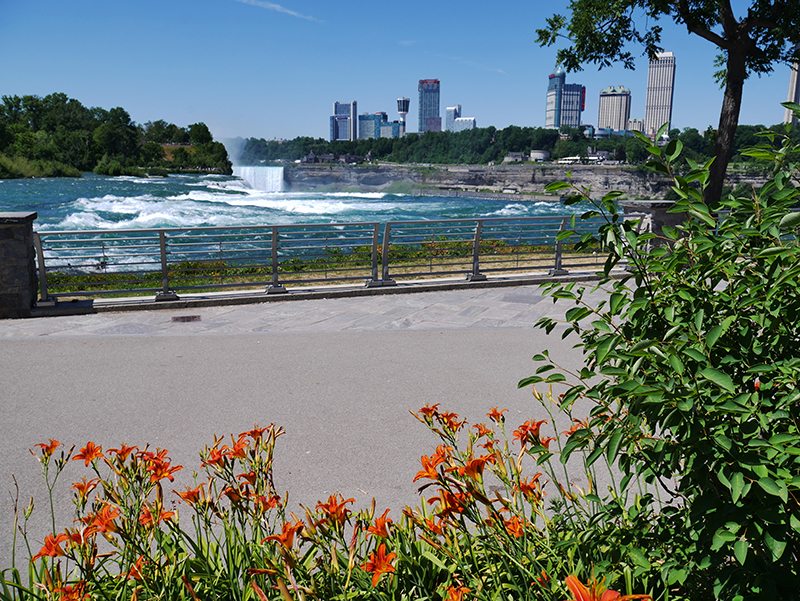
column 58, row 136
column 486, row 145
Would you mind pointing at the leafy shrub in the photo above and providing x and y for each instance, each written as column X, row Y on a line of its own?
column 693, row 369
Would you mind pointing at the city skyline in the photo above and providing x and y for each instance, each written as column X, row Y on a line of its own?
column 263, row 69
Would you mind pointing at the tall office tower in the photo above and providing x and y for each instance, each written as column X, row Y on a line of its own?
column 344, row 121
column 429, row 118
column 660, row 85
column 615, row 108
column 402, row 108
column 555, row 88
column 451, row 113
column 794, row 92
column 565, row 102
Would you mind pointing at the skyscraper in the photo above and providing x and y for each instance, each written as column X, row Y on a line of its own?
column 428, row 115
column 794, row 93
column 565, row 102
column 615, row 108
column 660, row 85
column 451, row 113
column 344, row 121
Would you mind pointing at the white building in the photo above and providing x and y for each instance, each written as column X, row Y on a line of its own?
column 615, row 108
column 660, row 86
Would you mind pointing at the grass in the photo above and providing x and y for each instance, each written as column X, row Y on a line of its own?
column 429, row 260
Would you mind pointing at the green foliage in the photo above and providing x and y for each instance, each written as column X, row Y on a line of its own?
column 693, row 371
column 59, row 130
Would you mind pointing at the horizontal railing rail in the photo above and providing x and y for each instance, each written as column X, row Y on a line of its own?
column 166, row 261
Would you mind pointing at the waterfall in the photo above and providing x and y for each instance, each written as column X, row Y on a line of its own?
column 268, row 179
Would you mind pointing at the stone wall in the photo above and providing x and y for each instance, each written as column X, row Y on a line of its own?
column 17, row 265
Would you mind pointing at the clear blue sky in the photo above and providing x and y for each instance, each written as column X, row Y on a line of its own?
column 254, row 68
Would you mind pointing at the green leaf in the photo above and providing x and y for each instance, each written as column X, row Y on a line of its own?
column 719, row 378
column 676, row 364
column 615, row 303
column 740, row 550
column 713, row 335
column 772, row 487
column 790, row 220
column 614, row 444
column 776, row 547
column 737, row 486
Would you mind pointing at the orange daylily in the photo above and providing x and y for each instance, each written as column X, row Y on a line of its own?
column 72, row 593
column 515, row 527
column 496, row 415
column 192, row 495
column 381, row 526
column 336, row 510
column 49, row 448
column 161, row 469
column 428, row 468
column 255, row 433
column 239, row 449
column 89, row 453
column 52, row 546
column 379, row 563
column 148, row 518
column 104, row 519
column 528, row 432
column 449, row 502
column 430, row 410
column 482, row 430
column 596, row 591
column 286, row 537
column 474, row 467
column 122, row 452
column 451, row 421
column 85, row 487
column 456, row 593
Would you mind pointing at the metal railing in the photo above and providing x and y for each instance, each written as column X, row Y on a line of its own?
column 167, row 260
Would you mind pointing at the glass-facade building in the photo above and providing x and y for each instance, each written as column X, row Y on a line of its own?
column 428, row 112
column 343, row 122
column 565, row 102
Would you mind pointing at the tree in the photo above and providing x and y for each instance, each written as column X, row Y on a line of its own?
column 600, row 32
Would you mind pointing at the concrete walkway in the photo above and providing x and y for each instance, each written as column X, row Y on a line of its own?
column 340, row 375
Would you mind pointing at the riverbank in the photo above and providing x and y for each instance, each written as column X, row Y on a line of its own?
column 500, row 181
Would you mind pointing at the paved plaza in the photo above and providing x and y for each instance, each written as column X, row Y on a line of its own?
column 339, row 374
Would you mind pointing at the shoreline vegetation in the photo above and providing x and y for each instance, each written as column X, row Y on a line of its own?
column 57, row 136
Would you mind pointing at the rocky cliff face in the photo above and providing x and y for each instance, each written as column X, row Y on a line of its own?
column 518, row 178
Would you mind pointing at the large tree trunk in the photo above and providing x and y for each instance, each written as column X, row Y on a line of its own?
column 728, row 120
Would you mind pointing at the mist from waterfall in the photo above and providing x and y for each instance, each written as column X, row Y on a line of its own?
column 266, row 179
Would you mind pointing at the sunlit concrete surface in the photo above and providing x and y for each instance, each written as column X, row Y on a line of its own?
column 340, row 375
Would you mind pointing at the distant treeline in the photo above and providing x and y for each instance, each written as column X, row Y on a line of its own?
column 57, row 136
column 488, row 144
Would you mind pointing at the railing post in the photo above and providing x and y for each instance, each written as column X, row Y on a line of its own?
column 44, row 300
column 374, row 256
column 557, row 270
column 166, row 294
column 476, row 275
column 385, row 279
column 275, row 287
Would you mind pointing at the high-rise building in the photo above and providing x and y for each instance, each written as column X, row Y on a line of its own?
column 615, row 108
column 565, row 102
column 344, row 121
column 451, row 113
column 636, row 125
column 369, row 126
column 794, row 92
column 660, row 85
column 429, row 118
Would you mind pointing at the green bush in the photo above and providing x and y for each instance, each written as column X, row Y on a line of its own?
column 693, row 368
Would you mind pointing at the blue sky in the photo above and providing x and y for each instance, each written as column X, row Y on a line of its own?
column 254, row 68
